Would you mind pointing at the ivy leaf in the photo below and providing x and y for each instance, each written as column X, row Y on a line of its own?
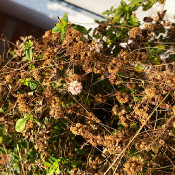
column 20, row 124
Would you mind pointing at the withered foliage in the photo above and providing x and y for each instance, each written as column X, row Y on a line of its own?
column 118, row 111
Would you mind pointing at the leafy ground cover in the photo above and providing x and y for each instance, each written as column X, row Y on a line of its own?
column 100, row 101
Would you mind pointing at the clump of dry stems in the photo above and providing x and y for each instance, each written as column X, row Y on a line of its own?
column 119, row 111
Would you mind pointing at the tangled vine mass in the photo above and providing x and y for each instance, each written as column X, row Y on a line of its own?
column 91, row 102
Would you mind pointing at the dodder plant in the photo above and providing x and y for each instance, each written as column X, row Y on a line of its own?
column 75, row 103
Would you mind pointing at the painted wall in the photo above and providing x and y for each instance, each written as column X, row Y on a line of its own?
column 43, row 13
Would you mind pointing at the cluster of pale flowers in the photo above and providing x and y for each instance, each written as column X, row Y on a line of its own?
column 96, row 46
column 75, row 87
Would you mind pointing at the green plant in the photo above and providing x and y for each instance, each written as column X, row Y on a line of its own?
column 31, row 83
column 61, row 26
column 21, row 123
column 55, row 164
column 91, row 103
column 27, row 51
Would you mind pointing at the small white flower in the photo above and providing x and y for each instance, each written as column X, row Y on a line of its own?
column 130, row 41
column 123, row 45
column 75, row 87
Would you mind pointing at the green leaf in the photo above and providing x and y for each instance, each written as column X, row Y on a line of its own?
column 135, row 126
column 58, row 170
column 51, row 170
column 111, row 9
column 120, row 127
column 105, row 13
column 33, row 84
column 20, row 124
column 48, row 164
column 31, row 66
column 29, row 54
column 1, row 139
column 134, row 21
column 30, row 43
column 28, row 116
column 75, row 163
column 27, row 51
column 139, row 68
column 135, row 4
column 116, row 19
column 1, row 110
column 96, row 20
column 52, row 159
column 112, row 38
column 80, row 28
column 25, row 82
column 60, row 26
column 62, row 34
column 56, row 29
column 119, row 11
column 65, row 18
column 123, row 3
column 149, row 4
column 136, row 99
column 127, row 15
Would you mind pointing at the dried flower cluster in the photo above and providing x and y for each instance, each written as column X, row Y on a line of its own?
column 75, row 87
column 133, row 165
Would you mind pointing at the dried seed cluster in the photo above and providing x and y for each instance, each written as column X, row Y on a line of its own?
column 133, row 165
column 90, row 97
column 55, row 108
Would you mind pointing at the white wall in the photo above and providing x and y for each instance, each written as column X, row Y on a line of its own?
column 43, row 13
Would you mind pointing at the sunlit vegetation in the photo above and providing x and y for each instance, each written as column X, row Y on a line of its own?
column 99, row 101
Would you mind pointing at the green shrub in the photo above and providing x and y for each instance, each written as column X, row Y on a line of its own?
column 98, row 101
